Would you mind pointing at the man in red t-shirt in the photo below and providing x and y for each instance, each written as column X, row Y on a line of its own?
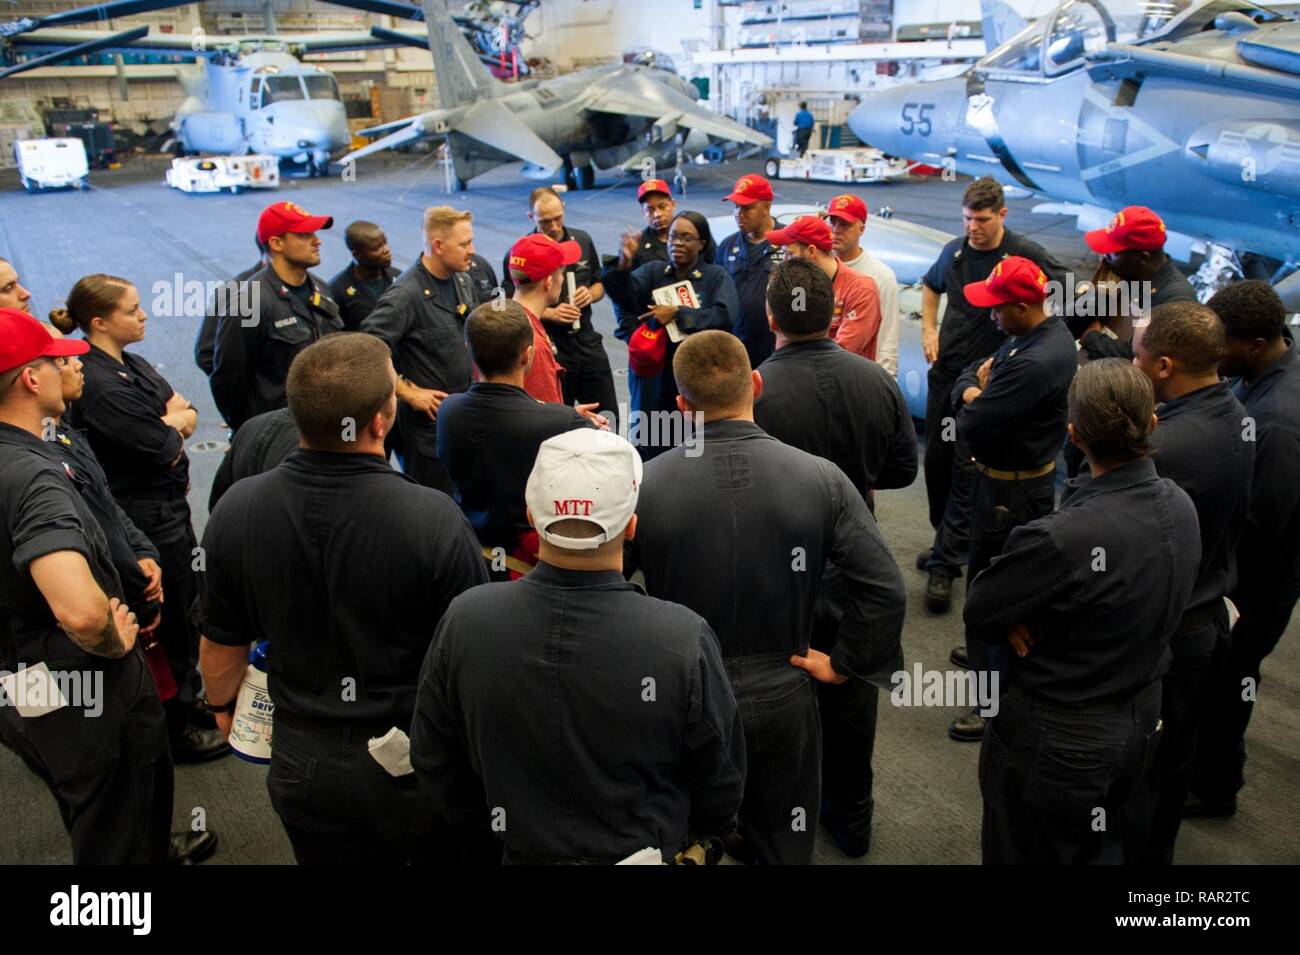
column 855, row 326
column 537, row 264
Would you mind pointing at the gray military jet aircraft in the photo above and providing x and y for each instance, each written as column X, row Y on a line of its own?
column 629, row 115
column 1190, row 107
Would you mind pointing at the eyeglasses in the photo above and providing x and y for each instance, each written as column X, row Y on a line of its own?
column 13, row 374
column 56, row 361
column 676, row 238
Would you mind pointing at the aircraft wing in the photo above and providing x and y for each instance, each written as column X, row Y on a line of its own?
column 1270, row 66
column 673, row 108
column 412, row 132
column 488, row 121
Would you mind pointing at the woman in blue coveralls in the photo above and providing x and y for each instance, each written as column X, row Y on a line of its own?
column 633, row 291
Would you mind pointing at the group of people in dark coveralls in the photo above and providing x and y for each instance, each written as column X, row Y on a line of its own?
column 593, row 649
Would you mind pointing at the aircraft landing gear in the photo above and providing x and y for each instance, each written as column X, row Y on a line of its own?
column 579, row 178
column 461, row 184
column 679, row 176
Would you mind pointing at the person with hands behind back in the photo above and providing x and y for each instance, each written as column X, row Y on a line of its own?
column 740, row 533
column 1088, row 599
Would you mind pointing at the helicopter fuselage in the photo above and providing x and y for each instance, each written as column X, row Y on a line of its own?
column 262, row 102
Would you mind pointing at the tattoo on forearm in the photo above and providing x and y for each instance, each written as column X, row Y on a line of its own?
column 107, row 643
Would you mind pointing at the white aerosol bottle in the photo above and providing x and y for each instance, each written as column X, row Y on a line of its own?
column 250, row 727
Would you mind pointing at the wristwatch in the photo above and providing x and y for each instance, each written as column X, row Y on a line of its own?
column 227, row 709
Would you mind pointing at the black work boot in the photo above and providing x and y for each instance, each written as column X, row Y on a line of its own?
column 938, row 592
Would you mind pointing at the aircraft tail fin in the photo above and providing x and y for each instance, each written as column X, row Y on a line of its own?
column 462, row 77
column 494, row 125
column 1000, row 21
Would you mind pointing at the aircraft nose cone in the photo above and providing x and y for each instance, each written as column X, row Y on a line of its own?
column 876, row 120
column 915, row 120
column 326, row 128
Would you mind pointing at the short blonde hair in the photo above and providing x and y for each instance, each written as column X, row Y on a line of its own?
column 438, row 220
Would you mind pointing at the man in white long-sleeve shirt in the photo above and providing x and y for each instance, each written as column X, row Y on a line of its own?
column 848, row 220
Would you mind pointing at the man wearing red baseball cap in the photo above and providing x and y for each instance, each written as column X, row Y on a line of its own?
column 536, row 266
column 856, row 322
column 1132, row 248
column 847, row 216
column 749, row 258
column 23, row 341
column 108, row 766
column 658, row 208
column 1011, row 413
column 264, row 322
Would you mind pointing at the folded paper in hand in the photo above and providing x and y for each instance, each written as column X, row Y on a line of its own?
column 681, row 295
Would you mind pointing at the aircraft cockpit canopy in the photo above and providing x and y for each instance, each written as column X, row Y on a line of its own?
column 320, row 86
column 1058, row 42
column 645, row 56
column 268, row 89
